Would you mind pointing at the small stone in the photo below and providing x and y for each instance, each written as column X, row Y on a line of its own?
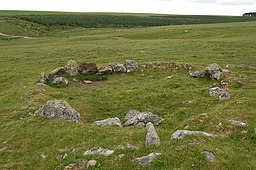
column 109, row 121
column 87, row 82
column 168, row 77
column 118, row 68
column 99, row 151
column 244, row 132
column 64, row 156
column 152, row 137
column 144, row 160
column 237, row 123
column 42, row 78
column 70, row 167
column 197, row 74
column 43, row 156
column 131, row 66
column 120, row 147
column 60, row 80
column 71, row 68
column 219, row 125
column 209, row 156
column 61, row 150
column 223, row 94
column 121, row 156
column 58, row 72
column 180, row 134
column 91, row 163
column 132, row 147
column 74, row 150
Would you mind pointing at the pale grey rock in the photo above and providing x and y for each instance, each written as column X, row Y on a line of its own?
column 43, row 156
column 237, row 123
column 109, row 121
column 152, row 137
column 214, row 71
column 59, row 109
column 121, row 156
column 197, row 74
column 134, row 118
column 99, row 151
column 91, row 163
column 42, row 78
column 106, row 70
column 71, row 68
column 144, row 160
column 209, row 156
column 120, row 147
column 87, row 82
column 60, row 81
column 58, row 72
column 223, row 94
column 118, row 68
column 180, row 134
column 131, row 66
column 132, row 147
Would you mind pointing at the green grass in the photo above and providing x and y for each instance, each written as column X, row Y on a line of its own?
column 147, row 90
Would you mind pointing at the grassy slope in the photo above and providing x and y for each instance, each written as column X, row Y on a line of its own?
column 23, row 59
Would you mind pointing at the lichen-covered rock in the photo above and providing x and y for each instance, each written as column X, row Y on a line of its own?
column 144, row 160
column 197, row 74
column 59, row 109
column 42, row 78
column 71, row 68
column 60, row 81
column 223, row 94
column 135, row 118
column 118, row 68
column 180, row 134
column 99, row 151
column 209, row 156
column 106, row 70
column 131, row 66
column 88, row 68
column 152, row 137
column 109, row 121
column 214, row 71
column 58, row 72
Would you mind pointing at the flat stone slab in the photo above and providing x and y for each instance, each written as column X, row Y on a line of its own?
column 209, row 156
column 99, row 151
column 180, row 134
column 237, row 123
column 109, row 121
column 144, row 160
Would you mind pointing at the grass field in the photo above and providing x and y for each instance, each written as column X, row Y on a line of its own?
column 181, row 100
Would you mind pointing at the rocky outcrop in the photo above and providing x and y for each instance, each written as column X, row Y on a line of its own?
column 180, row 134
column 99, row 151
column 152, row 137
column 71, row 68
column 109, row 121
column 214, row 71
column 144, row 160
column 118, row 68
column 60, row 81
column 58, row 72
column 59, row 109
column 88, row 68
column 136, row 118
column 131, row 66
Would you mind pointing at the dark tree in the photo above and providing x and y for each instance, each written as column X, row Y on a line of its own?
column 250, row 14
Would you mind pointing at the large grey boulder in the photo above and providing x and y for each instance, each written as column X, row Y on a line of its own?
column 88, row 68
column 71, row 68
column 136, row 118
column 109, row 121
column 180, row 134
column 59, row 109
column 197, row 74
column 214, row 71
column 209, row 156
column 152, row 137
column 144, row 160
column 131, row 66
column 42, row 78
column 99, row 151
column 223, row 94
column 58, row 72
column 60, row 81
column 118, row 68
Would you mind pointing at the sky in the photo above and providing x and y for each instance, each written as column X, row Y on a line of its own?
column 195, row 7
